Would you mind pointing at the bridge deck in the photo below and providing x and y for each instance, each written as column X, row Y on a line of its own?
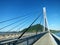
column 47, row 39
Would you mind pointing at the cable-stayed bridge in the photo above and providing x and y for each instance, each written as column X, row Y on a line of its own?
column 39, row 38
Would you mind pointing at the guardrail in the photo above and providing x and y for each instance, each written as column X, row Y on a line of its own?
column 25, row 41
column 57, row 39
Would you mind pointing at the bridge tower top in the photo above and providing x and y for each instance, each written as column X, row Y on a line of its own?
column 45, row 20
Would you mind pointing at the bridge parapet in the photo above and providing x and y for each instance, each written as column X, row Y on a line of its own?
column 27, row 41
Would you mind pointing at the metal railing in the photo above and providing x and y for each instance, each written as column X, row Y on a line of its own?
column 25, row 41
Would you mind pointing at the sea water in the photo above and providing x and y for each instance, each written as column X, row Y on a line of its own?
column 58, row 34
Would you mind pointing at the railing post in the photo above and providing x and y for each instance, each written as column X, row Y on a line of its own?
column 5, row 44
column 27, row 42
column 14, row 43
column 9, row 43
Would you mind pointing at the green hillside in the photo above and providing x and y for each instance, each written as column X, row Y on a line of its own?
column 38, row 28
column 35, row 28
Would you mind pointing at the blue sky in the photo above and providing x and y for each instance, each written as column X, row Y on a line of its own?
column 14, row 8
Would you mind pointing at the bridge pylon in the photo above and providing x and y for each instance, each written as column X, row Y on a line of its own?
column 46, row 28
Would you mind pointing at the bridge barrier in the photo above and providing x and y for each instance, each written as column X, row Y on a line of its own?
column 57, row 39
column 25, row 41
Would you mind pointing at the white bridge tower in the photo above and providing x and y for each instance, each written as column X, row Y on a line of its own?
column 45, row 20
